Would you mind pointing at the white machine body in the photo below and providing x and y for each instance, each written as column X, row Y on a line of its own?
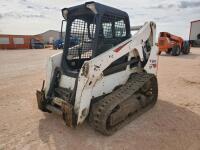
column 91, row 80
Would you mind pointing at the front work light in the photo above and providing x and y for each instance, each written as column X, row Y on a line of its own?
column 92, row 7
column 64, row 13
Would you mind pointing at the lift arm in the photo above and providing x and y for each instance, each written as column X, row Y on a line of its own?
column 93, row 70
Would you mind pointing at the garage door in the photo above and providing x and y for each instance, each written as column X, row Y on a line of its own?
column 18, row 40
column 4, row 40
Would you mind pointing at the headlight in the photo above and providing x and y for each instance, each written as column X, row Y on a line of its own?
column 65, row 13
column 92, row 7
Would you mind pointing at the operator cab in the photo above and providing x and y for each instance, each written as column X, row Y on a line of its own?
column 97, row 28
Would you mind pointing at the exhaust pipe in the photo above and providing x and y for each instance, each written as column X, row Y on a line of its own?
column 135, row 28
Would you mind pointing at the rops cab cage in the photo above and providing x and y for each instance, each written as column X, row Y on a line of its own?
column 95, row 28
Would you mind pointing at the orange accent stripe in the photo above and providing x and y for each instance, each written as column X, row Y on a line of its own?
column 120, row 47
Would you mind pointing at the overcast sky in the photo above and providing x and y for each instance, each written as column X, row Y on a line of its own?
column 36, row 16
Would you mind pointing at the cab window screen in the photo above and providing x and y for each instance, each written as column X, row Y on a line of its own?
column 112, row 32
column 80, row 42
column 107, row 30
column 120, row 29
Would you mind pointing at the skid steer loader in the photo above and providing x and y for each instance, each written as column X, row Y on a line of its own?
column 109, row 77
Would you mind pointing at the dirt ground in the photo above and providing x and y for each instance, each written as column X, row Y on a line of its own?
column 173, row 124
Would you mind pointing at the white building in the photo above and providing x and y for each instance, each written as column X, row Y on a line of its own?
column 195, row 33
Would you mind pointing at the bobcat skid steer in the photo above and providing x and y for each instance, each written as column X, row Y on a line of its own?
column 108, row 77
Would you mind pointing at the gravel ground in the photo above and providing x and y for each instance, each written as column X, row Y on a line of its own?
column 174, row 123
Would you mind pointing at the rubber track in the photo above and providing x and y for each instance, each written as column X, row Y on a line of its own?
column 101, row 110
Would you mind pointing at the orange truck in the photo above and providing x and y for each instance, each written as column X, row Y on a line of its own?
column 172, row 44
